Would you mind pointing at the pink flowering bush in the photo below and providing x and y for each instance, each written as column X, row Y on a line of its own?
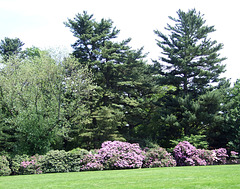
column 115, row 155
column 187, row 154
column 31, row 166
column 91, row 162
column 184, row 152
column 221, row 154
column 158, row 157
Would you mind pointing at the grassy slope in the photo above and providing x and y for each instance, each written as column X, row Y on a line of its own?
column 225, row 176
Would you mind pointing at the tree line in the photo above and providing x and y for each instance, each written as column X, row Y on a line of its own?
column 105, row 90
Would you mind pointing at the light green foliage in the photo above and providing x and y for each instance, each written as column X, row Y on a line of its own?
column 199, row 141
column 33, row 103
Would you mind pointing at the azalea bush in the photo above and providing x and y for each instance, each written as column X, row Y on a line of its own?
column 158, row 157
column 221, row 154
column 15, row 163
column 115, row 155
column 92, row 162
column 186, row 154
column 31, row 165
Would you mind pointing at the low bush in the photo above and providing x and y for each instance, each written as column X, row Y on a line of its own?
column 15, row 163
column 233, row 157
column 4, row 166
column 55, row 161
column 158, row 157
column 75, row 159
column 24, row 165
column 31, row 166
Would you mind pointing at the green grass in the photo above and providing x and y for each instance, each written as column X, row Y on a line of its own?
column 224, row 176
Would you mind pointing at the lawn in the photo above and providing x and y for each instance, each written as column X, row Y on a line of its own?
column 223, row 176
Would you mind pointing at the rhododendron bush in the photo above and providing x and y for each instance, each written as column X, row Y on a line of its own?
column 113, row 155
column 187, row 154
column 158, row 157
column 116, row 155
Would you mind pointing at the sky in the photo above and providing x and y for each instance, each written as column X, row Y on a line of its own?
column 40, row 23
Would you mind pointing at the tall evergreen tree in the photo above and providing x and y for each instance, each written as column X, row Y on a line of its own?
column 191, row 62
column 9, row 47
column 120, row 75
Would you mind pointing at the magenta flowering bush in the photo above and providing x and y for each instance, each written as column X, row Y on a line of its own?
column 184, row 153
column 187, row 154
column 158, row 157
column 221, row 155
column 91, row 162
column 115, row 155
column 121, row 155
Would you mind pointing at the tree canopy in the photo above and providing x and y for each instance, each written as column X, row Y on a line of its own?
column 105, row 90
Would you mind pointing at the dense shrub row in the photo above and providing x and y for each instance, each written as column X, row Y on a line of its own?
column 112, row 155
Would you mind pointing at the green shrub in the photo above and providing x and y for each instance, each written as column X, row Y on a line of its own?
column 55, row 161
column 199, row 141
column 15, row 163
column 4, row 166
column 74, row 159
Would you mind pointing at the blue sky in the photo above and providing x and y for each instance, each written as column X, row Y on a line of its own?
column 40, row 23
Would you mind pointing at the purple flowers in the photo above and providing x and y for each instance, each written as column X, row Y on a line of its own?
column 116, row 155
column 158, row 157
column 187, row 154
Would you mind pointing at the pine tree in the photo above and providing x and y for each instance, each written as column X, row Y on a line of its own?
column 120, row 75
column 9, row 47
column 191, row 62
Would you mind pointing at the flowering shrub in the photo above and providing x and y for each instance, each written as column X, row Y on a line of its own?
column 221, row 154
column 184, row 152
column 92, row 162
column 208, row 155
column 31, row 166
column 15, row 163
column 4, row 166
column 187, row 154
column 233, row 157
column 158, row 157
column 121, row 155
column 115, row 155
